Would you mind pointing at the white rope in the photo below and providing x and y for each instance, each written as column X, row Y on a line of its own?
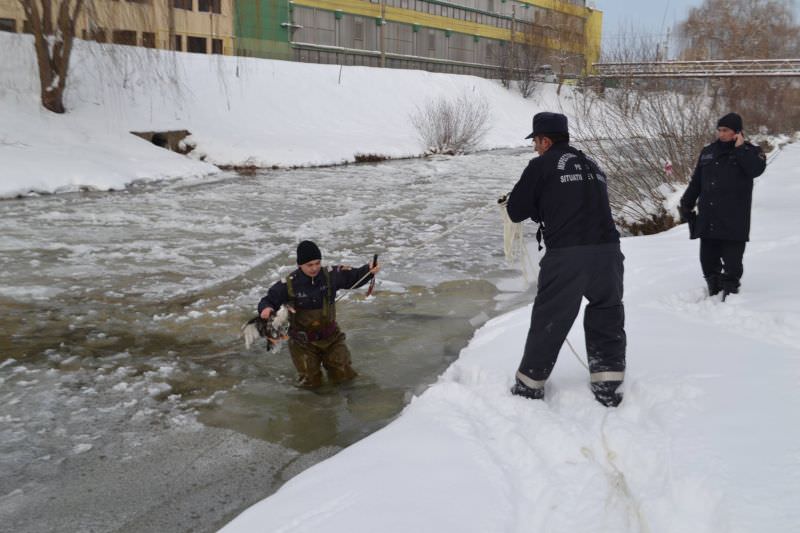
column 618, row 481
column 578, row 357
column 469, row 220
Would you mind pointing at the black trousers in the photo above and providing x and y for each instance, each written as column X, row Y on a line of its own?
column 565, row 277
column 722, row 258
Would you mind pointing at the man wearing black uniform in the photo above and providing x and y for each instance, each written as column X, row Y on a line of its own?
column 722, row 186
column 565, row 192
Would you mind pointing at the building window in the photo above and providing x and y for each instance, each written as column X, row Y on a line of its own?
column 148, row 39
column 95, row 34
column 216, row 46
column 325, row 24
column 209, row 6
column 179, row 43
column 127, row 37
column 358, row 30
column 8, row 25
column 196, row 45
column 183, row 4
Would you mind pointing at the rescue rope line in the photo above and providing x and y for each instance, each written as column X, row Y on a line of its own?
column 458, row 226
column 618, row 481
column 426, row 242
column 578, row 357
column 352, row 287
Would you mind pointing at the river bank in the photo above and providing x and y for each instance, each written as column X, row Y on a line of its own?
column 241, row 113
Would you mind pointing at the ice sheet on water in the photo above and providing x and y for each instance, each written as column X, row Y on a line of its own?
column 164, row 242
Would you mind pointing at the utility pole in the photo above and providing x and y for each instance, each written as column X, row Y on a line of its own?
column 382, row 33
column 511, row 57
column 171, row 24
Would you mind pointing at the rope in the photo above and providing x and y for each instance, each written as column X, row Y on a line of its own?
column 618, row 480
column 448, row 231
column 578, row 357
column 426, row 242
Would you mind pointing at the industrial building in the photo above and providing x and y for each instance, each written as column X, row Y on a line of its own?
column 201, row 26
column 460, row 36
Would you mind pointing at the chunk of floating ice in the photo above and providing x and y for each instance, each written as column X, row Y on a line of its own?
column 478, row 319
column 81, row 448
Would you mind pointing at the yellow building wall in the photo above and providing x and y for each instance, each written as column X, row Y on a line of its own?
column 590, row 46
column 155, row 17
column 557, row 5
column 593, row 34
column 11, row 9
column 147, row 17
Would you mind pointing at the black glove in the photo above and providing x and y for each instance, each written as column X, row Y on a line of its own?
column 685, row 213
column 503, row 200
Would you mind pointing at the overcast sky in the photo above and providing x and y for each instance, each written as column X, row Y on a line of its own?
column 651, row 18
column 642, row 18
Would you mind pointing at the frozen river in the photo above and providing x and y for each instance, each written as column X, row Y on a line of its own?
column 127, row 399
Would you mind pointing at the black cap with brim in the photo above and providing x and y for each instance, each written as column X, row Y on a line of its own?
column 546, row 122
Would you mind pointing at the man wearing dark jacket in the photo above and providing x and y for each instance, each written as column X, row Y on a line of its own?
column 566, row 193
column 722, row 188
column 314, row 336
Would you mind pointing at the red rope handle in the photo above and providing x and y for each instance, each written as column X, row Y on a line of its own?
column 372, row 281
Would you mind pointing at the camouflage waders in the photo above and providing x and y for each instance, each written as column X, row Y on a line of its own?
column 316, row 341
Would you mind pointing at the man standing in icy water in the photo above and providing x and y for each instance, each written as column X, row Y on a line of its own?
column 565, row 192
column 315, row 339
column 723, row 183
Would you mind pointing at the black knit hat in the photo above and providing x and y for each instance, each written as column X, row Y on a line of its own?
column 307, row 251
column 732, row 121
column 547, row 122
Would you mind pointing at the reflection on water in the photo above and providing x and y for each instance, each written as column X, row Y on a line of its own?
column 399, row 343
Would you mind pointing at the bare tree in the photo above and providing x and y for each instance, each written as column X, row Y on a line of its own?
column 528, row 58
column 569, row 35
column 556, row 40
column 53, row 26
column 528, row 63
column 630, row 46
column 449, row 125
column 748, row 29
column 646, row 136
column 647, row 154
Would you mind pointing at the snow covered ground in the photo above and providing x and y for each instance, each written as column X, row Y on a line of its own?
column 707, row 437
column 705, row 441
column 240, row 111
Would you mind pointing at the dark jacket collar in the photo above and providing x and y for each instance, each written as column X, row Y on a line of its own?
column 722, row 147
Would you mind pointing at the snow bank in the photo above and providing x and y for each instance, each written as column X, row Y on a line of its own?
column 705, row 441
column 240, row 111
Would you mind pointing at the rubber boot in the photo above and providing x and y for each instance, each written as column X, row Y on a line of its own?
column 714, row 284
column 606, row 392
column 520, row 389
column 729, row 286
